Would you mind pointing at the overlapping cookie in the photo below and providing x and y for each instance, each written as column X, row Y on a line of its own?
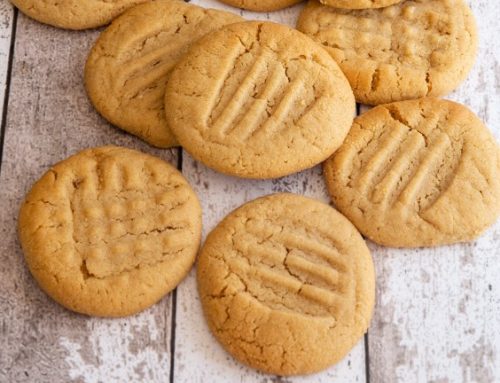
column 261, row 5
column 359, row 4
column 259, row 100
column 110, row 231
column 409, row 50
column 287, row 284
column 417, row 173
column 130, row 64
column 74, row 14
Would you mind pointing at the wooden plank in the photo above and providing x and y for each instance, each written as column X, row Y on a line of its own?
column 438, row 310
column 49, row 117
column 220, row 194
column 6, row 21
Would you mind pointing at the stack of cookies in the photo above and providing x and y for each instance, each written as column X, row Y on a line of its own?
column 287, row 283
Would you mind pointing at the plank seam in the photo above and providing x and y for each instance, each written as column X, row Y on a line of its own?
column 172, row 336
column 7, row 84
column 367, row 358
column 174, row 300
column 366, row 340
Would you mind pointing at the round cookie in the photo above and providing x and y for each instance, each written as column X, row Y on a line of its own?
column 74, row 14
column 409, row 50
column 110, row 231
column 287, row 284
column 359, row 4
column 130, row 64
column 261, row 5
column 259, row 100
column 417, row 173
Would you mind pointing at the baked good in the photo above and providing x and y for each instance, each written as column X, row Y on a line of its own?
column 258, row 100
column 130, row 64
column 359, row 4
column 417, row 173
column 74, row 14
column 287, row 284
column 412, row 49
column 109, row 231
column 261, row 5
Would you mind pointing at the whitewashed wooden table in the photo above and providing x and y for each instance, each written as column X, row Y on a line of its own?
column 437, row 317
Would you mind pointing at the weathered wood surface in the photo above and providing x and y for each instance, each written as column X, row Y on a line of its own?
column 438, row 310
column 6, row 20
column 49, row 118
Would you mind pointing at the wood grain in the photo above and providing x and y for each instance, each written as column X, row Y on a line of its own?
column 6, row 21
column 49, row 118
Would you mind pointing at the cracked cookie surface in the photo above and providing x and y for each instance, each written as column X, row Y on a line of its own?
column 74, row 14
column 413, row 49
column 417, row 173
column 359, row 4
column 287, row 284
column 130, row 64
column 261, row 5
column 259, row 100
column 110, row 231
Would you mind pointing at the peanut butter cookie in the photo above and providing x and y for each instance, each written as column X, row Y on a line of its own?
column 261, row 5
column 74, row 14
column 287, row 284
column 359, row 4
column 417, row 173
column 259, row 100
column 409, row 50
column 110, row 231
column 130, row 64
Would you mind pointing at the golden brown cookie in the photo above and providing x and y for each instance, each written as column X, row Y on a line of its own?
column 259, row 100
column 130, row 64
column 359, row 4
column 417, row 173
column 110, row 231
column 409, row 50
column 287, row 284
column 261, row 5
column 74, row 14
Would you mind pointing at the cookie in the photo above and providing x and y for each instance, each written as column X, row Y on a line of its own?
column 259, row 100
column 261, row 5
column 359, row 4
column 417, row 173
column 287, row 284
column 110, row 231
column 130, row 64
column 74, row 14
column 409, row 50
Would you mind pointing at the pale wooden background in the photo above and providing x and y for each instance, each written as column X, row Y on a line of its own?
column 437, row 317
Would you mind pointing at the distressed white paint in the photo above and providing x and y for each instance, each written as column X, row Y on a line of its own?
column 438, row 313
column 6, row 19
column 106, row 339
